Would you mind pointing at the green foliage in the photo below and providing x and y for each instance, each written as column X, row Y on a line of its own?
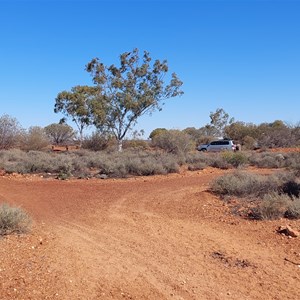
column 271, row 196
column 156, row 132
column 196, row 161
column 249, row 143
column 17, row 161
column 235, row 159
column 217, row 161
column 218, row 121
column 83, row 162
column 267, row 160
column 273, row 206
column 264, row 135
column 60, row 134
column 121, row 94
column 239, row 130
column 276, row 134
column 174, row 141
column 136, row 144
column 13, row 220
column 128, row 91
column 236, row 184
column 138, row 161
column 63, row 175
column 198, row 135
column 75, row 105
column 123, row 164
column 245, row 184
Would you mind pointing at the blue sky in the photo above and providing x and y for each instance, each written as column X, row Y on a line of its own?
column 242, row 56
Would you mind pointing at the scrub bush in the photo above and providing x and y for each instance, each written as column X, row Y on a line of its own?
column 13, row 220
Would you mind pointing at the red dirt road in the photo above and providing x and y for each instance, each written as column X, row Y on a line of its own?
column 162, row 237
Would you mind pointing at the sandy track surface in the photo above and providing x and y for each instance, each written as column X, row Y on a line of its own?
column 161, row 237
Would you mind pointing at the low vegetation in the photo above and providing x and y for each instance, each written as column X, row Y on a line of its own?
column 268, row 197
column 262, row 196
column 136, row 161
column 13, row 220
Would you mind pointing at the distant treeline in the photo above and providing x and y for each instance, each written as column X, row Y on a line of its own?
column 250, row 136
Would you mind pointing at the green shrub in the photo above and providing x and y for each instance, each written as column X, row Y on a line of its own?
column 267, row 160
column 249, row 143
column 196, row 160
column 235, row 159
column 273, row 206
column 245, row 184
column 237, row 184
column 13, row 220
column 196, row 166
column 122, row 164
column 170, row 162
column 144, row 167
column 174, row 141
column 138, row 144
column 216, row 161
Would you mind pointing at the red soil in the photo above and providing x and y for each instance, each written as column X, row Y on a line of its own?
column 161, row 237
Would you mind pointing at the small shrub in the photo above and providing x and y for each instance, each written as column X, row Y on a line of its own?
column 62, row 175
column 293, row 211
column 249, row 143
column 291, row 188
column 196, row 166
column 13, row 220
column 243, row 184
column 196, row 161
column 144, row 167
column 237, row 184
column 97, row 141
column 174, row 141
column 273, row 206
column 170, row 163
column 216, row 161
column 235, row 159
column 138, row 144
column 267, row 160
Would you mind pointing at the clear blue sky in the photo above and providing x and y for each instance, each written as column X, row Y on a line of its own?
column 242, row 56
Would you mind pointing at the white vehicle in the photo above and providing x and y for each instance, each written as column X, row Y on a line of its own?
column 216, row 146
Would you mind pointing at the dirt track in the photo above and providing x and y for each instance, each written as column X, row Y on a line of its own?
column 163, row 237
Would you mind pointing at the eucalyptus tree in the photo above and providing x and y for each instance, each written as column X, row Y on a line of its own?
column 75, row 105
column 218, row 122
column 125, row 92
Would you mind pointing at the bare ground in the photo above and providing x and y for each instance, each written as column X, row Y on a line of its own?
column 161, row 237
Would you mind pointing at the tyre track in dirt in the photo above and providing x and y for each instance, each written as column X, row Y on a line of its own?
column 161, row 237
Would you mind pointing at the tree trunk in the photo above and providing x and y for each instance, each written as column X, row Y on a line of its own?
column 120, row 145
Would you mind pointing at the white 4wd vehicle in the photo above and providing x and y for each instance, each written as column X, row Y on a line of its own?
column 216, row 146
